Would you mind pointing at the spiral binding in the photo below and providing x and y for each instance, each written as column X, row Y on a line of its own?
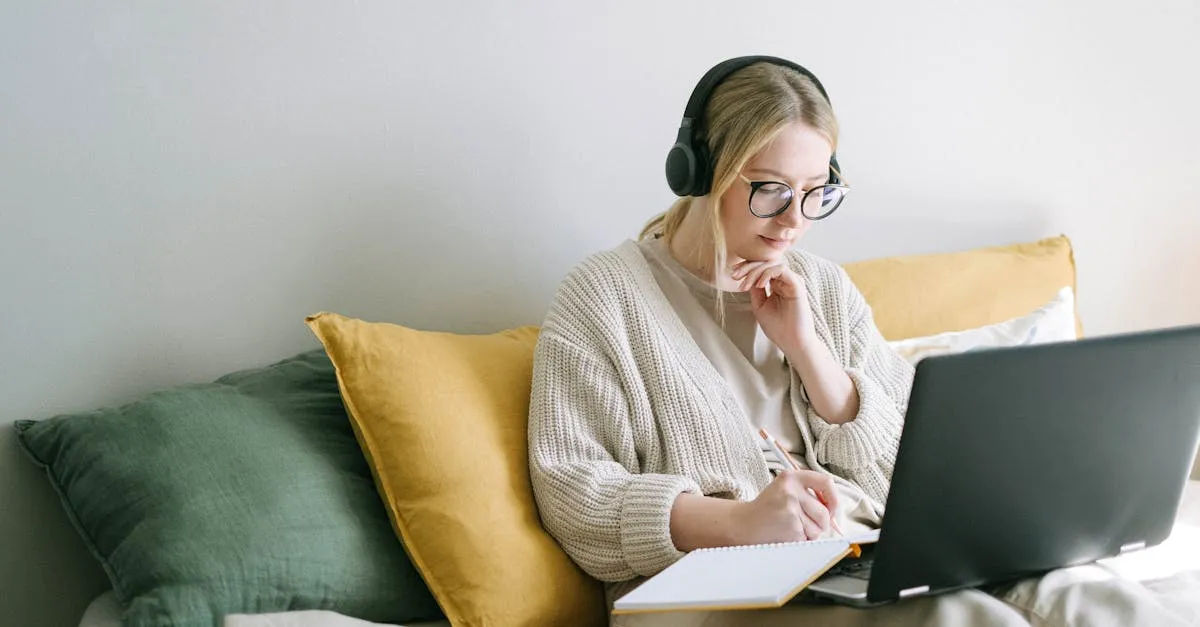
column 771, row 545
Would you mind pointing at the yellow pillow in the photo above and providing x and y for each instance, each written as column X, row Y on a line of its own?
column 920, row 295
column 442, row 419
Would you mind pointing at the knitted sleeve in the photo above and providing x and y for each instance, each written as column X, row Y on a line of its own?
column 864, row 449
column 613, row 520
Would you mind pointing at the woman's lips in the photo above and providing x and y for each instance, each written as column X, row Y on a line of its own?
column 776, row 243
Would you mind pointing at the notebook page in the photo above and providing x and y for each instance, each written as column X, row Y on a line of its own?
column 735, row 577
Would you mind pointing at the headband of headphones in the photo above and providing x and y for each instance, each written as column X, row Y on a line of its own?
column 689, row 166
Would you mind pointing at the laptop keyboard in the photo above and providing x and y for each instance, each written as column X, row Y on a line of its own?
column 856, row 568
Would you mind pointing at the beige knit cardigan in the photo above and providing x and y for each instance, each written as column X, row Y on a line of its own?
column 626, row 412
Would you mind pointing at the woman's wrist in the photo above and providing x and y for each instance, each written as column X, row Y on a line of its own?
column 700, row 522
column 804, row 348
column 830, row 390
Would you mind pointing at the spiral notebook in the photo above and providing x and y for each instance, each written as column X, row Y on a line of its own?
column 739, row 577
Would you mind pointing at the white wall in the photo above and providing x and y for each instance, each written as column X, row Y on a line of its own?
column 180, row 183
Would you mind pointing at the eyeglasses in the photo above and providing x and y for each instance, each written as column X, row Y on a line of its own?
column 771, row 198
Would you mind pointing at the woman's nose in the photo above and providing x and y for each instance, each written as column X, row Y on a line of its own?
column 792, row 218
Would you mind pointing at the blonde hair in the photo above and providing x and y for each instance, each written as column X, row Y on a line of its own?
column 743, row 114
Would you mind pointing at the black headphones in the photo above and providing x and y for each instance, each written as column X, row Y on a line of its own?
column 689, row 164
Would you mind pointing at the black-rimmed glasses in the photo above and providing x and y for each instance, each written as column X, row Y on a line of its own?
column 771, row 198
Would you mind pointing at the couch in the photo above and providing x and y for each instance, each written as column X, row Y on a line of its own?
column 324, row 486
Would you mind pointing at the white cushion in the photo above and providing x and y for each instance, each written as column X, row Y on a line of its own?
column 1052, row 322
column 103, row 611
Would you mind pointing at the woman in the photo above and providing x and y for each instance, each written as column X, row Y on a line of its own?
column 661, row 360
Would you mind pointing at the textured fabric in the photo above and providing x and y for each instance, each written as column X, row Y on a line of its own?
column 753, row 367
column 1052, row 322
column 442, row 419
column 1089, row 596
column 921, row 295
column 627, row 413
column 246, row 495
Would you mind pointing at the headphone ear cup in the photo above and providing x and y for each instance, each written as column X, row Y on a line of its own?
column 681, row 169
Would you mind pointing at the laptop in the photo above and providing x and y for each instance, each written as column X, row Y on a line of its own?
column 1017, row 461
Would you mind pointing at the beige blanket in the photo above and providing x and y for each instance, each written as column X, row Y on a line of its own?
column 1157, row 587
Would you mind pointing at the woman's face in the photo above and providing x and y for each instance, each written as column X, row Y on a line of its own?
column 798, row 156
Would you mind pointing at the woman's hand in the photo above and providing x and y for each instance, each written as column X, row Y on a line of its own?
column 790, row 509
column 779, row 300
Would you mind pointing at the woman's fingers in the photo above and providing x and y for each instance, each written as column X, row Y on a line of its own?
column 767, row 275
column 742, row 267
column 815, row 512
column 784, row 282
column 753, row 277
column 812, row 530
column 743, row 270
column 822, row 488
column 793, row 280
column 770, row 276
column 756, row 274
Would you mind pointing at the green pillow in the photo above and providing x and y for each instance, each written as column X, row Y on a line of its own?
column 249, row 494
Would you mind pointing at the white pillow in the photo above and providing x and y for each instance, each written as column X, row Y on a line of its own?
column 1052, row 322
